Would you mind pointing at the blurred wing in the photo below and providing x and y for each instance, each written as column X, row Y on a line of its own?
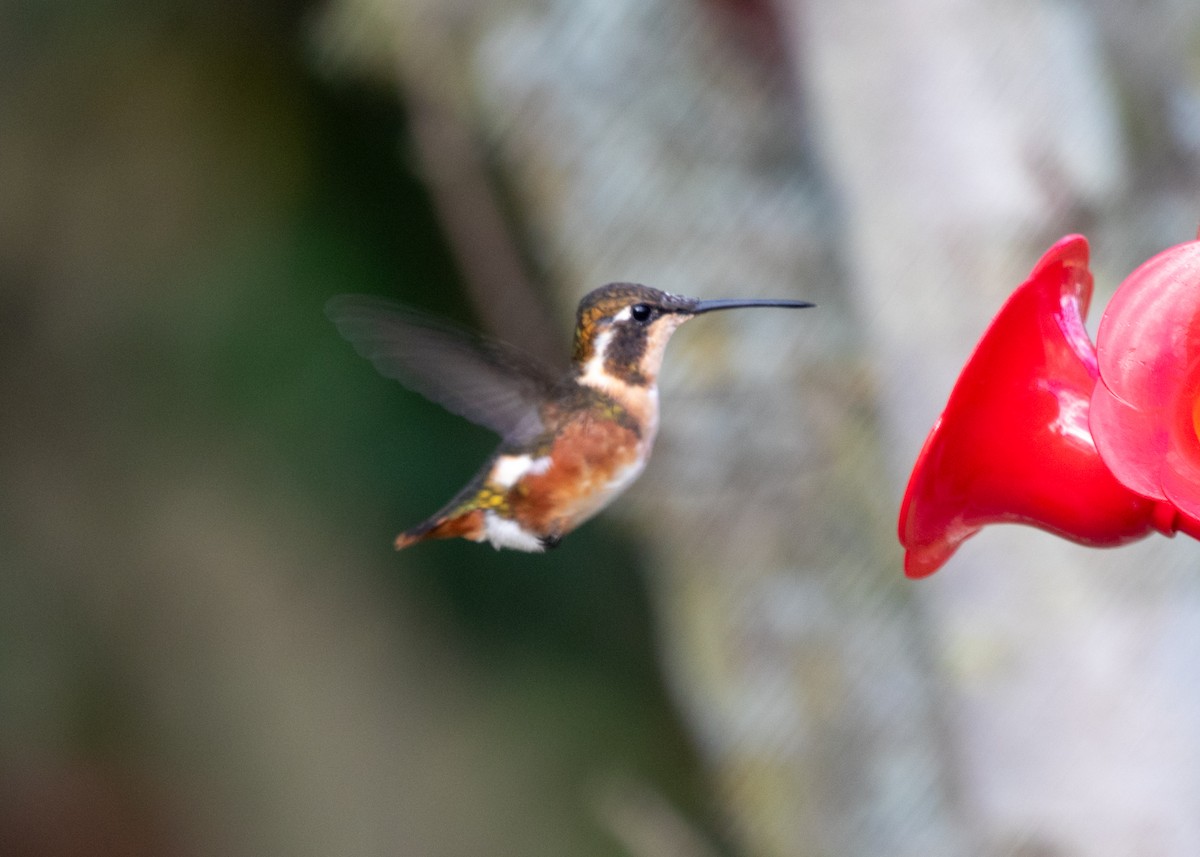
column 486, row 381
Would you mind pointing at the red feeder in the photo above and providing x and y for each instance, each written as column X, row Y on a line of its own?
column 1146, row 408
column 1015, row 442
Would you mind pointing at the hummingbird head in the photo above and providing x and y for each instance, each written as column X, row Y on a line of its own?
column 622, row 330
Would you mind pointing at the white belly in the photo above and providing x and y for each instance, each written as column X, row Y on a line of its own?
column 507, row 533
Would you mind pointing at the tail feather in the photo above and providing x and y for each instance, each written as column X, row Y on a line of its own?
column 468, row 525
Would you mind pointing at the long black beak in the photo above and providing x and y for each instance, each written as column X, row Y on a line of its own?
column 709, row 306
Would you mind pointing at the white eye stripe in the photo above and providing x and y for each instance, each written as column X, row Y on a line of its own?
column 593, row 370
column 624, row 315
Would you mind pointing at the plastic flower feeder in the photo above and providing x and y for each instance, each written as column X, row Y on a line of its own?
column 1097, row 444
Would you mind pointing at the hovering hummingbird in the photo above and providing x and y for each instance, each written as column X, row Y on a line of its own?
column 569, row 443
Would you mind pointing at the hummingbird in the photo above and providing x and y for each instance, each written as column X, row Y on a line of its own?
column 570, row 442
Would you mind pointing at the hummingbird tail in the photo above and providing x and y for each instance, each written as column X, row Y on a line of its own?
column 467, row 526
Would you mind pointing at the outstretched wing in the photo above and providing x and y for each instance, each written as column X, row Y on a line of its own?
column 486, row 381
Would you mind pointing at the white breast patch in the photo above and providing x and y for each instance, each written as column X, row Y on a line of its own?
column 508, row 469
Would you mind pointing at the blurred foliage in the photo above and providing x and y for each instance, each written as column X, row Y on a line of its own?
column 182, row 195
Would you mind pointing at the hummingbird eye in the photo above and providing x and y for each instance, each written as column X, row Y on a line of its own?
column 640, row 312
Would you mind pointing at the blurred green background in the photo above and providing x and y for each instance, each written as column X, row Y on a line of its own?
column 207, row 644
